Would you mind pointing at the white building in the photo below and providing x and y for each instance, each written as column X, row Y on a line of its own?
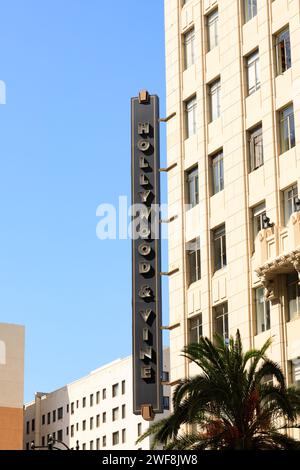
column 95, row 410
column 233, row 145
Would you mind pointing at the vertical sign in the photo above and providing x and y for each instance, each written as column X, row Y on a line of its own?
column 146, row 282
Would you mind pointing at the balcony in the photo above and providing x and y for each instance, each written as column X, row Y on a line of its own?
column 277, row 251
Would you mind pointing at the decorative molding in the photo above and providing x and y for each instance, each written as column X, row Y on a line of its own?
column 268, row 272
column 284, row 260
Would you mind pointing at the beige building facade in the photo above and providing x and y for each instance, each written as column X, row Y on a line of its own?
column 94, row 412
column 233, row 80
column 11, row 386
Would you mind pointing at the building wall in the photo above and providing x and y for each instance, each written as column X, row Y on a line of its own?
column 11, row 386
column 97, row 381
column 243, row 189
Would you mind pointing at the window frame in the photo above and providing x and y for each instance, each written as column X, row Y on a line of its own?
column 214, row 93
column 193, row 260
column 60, row 413
column 189, row 48
column 190, row 107
column 257, row 212
column 293, row 282
column 221, row 312
column 195, row 328
column 250, row 9
column 266, row 313
column 192, row 186
column 289, row 121
column 115, row 414
column 212, row 26
column 255, row 147
column 219, row 233
column 217, row 169
column 115, row 438
column 253, row 60
column 289, row 205
column 282, row 45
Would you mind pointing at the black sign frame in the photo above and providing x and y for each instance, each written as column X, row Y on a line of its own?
column 146, row 257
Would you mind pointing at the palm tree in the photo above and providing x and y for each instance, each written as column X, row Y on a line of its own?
column 230, row 404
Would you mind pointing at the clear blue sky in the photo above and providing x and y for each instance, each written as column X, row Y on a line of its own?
column 70, row 67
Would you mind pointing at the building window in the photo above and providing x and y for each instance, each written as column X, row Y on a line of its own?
column 60, row 413
column 263, row 320
column 115, row 390
column 253, row 72
column 84, row 425
column 165, row 376
column 48, row 418
column 77, row 426
column 115, row 438
column 212, row 29
column 192, row 181
column 54, row 416
column 195, row 329
column 54, row 435
column 287, row 128
column 27, row 427
column 166, row 403
column 43, row 419
column 250, row 9
column 283, row 51
column 60, row 435
column 189, row 48
column 97, row 398
column 68, row 408
column 84, row 446
column 115, row 414
column 293, row 291
column 72, row 408
column 104, row 417
column 91, row 423
column 258, row 213
column 77, row 403
column 193, row 260
column 291, row 205
column 104, row 394
column 221, row 321
column 191, row 119
column 295, row 372
column 123, row 411
column 215, row 99
column 98, row 444
column 103, row 441
column 217, row 172
column 91, row 400
column 255, row 148
column 123, row 436
column 91, row 445
column 97, row 421
column 67, row 430
column 43, row 440
column 123, row 387
column 139, row 429
column 219, row 240
column 84, row 402
column 72, row 430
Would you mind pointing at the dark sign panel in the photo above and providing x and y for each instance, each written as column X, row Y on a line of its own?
column 146, row 282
